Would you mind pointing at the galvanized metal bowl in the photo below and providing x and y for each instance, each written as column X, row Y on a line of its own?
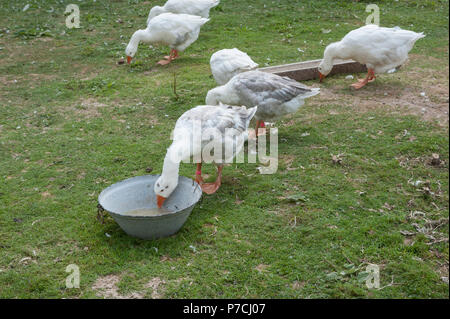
column 137, row 193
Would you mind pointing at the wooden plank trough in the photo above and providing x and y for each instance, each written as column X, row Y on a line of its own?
column 307, row 70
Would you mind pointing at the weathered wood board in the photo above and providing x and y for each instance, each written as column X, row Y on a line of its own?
column 307, row 70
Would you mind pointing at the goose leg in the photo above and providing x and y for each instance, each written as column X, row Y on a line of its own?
column 260, row 128
column 198, row 174
column 372, row 76
column 369, row 78
column 173, row 55
column 168, row 58
column 211, row 188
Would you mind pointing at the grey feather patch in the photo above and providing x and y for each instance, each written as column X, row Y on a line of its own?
column 272, row 86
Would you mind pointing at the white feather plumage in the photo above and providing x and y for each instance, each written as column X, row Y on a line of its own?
column 227, row 63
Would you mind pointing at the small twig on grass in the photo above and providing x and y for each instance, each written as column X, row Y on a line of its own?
column 442, row 240
column 246, row 290
column 295, row 222
column 331, row 264
column 348, row 259
column 389, row 285
column 38, row 220
column 175, row 85
column 436, row 223
column 407, row 233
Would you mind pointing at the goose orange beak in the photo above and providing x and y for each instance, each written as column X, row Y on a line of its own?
column 160, row 200
column 321, row 77
column 129, row 59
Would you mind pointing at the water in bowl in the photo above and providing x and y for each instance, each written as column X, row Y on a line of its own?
column 148, row 212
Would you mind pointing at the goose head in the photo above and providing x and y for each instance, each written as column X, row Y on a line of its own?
column 132, row 46
column 326, row 65
column 163, row 188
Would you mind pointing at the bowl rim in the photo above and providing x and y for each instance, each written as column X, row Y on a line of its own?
column 160, row 217
column 164, row 216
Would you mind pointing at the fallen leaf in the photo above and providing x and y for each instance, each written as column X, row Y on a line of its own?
column 299, row 197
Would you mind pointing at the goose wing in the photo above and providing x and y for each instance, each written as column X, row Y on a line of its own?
column 256, row 87
column 220, row 118
column 190, row 6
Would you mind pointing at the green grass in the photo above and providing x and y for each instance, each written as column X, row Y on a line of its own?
column 72, row 122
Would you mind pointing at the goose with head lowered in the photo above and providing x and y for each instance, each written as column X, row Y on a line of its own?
column 380, row 49
column 178, row 31
column 198, row 131
column 274, row 95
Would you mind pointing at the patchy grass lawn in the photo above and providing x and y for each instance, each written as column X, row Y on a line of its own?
column 73, row 121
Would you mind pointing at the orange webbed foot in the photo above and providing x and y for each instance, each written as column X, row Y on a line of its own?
column 359, row 84
column 210, row 188
column 362, row 82
column 164, row 62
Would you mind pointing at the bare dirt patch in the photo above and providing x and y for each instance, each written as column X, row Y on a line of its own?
column 107, row 287
column 31, row 80
column 5, row 81
column 42, row 39
column 87, row 108
column 155, row 285
column 84, row 72
column 420, row 91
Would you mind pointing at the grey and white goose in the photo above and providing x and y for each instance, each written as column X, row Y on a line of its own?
column 198, row 128
column 274, row 95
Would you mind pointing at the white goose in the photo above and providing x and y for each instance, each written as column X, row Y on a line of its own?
column 227, row 63
column 195, row 131
column 178, row 31
column 195, row 7
column 274, row 95
column 380, row 49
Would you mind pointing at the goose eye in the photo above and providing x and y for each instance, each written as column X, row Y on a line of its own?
column 157, row 184
column 167, row 187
